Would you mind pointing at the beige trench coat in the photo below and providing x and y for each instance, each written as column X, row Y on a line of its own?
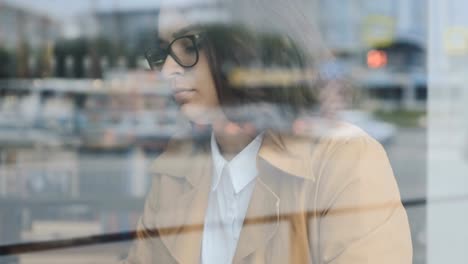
column 331, row 199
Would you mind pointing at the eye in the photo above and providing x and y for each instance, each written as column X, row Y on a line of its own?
column 190, row 49
column 186, row 45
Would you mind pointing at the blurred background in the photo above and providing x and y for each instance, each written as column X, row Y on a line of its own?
column 80, row 122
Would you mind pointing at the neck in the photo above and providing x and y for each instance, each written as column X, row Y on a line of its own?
column 232, row 138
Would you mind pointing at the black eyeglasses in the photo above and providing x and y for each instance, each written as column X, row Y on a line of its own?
column 184, row 50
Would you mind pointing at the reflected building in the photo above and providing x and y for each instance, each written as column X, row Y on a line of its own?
column 18, row 25
column 351, row 26
column 26, row 39
column 394, row 77
column 127, row 27
column 120, row 38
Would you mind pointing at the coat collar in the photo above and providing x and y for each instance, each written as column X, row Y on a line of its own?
column 180, row 227
column 288, row 153
column 262, row 217
column 169, row 162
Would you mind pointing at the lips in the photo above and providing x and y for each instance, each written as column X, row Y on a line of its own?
column 182, row 95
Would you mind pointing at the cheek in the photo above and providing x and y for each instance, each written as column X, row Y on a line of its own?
column 205, row 83
column 204, row 108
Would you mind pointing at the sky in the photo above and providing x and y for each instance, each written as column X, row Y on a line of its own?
column 66, row 11
column 66, row 8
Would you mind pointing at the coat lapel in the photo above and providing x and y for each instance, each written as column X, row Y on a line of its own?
column 261, row 220
column 180, row 226
column 279, row 156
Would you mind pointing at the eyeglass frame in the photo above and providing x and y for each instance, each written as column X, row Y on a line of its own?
column 195, row 38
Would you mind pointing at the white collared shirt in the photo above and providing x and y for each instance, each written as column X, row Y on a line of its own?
column 231, row 189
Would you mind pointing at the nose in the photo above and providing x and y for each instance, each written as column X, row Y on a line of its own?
column 171, row 68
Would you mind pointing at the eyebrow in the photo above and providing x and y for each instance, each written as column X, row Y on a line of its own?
column 185, row 30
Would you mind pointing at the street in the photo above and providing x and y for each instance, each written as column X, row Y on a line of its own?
column 408, row 156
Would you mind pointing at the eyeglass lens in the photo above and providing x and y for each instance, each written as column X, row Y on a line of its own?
column 183, row 50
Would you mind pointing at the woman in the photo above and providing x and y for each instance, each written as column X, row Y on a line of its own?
column 302, row 190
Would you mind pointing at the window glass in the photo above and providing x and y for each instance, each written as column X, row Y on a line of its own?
column 231, row 131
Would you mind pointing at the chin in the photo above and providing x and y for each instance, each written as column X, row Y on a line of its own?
column 198, row 114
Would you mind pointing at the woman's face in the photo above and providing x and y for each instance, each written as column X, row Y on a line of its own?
column 193, row 88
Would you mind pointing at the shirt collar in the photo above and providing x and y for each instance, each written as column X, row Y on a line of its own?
column 242, row 168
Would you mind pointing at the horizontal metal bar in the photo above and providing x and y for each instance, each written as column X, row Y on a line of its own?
column 30, row 247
